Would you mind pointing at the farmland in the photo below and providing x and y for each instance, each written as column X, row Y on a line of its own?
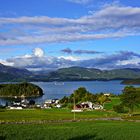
column 50, row 124
column 85, row 130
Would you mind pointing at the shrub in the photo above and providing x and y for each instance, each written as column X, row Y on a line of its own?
column 119, row 108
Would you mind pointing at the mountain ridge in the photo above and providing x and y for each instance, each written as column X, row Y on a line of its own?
column 8, row 73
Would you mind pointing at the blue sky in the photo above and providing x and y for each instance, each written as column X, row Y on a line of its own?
column 52, row 34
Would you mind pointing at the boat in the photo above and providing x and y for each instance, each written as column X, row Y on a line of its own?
column 59, row 83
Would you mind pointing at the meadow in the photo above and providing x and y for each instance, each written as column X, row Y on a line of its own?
column 58, row 124
column 85, row 130
column 50, row 114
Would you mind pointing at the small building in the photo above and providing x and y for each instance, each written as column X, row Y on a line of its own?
column 48, row 102
column 16, row 107
column 58, row 106
column 77, row 110
column 87, row 105
column 17, row 103
column 107, row 94
column 97, row 107
column 55, row 101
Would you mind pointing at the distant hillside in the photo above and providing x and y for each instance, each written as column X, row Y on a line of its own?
column 131, row 82
column 22, row 89
column 8, row 73
column 79, row 73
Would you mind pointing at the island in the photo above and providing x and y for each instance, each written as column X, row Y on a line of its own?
column 20, row 90
column 131, row 82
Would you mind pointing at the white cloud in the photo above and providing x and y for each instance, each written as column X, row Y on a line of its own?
column 72, row 58
column 38, row 52
column 4, row 62
column 124, row 59
column 111, row 21
column 80, row 1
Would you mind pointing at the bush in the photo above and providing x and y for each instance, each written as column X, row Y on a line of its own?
column 119, row 108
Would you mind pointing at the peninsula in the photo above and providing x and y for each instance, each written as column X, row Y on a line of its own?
column 19, row 90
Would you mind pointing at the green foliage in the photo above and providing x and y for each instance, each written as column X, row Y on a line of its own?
column 23, row 89
column 80, row 73
column 80, row 95
column 102, row 99
column 131, row 82
column 119, row 108
column 114, row 101
column 130, row 97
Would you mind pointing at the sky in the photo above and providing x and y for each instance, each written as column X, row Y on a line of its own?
column 52, row 34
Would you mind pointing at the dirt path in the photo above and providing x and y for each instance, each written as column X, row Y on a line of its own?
column 63, row 121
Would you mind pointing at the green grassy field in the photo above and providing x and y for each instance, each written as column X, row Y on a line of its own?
column 91, row 130
column 53, row 129
column 51, row 114
column 114, row 101
column 62, row 114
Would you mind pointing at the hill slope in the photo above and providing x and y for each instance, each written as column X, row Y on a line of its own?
column 78, row 73
column 26, row 89
column 8, row 73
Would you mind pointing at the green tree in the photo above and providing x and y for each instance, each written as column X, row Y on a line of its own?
column 130, row 98
column 102, row 99
column 119, row 108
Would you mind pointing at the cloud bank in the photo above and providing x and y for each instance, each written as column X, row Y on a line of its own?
column 110, row 21
column 80, row 52
column 39, row 61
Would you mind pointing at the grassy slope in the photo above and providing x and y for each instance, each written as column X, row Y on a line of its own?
column 94, row 130
column 61, row 114
column 50, row 114
column 114, row 101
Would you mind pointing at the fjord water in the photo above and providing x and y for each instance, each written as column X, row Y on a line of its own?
column 59, row 89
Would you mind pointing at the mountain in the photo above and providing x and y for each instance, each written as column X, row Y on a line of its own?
column 79, row 73
column 8, row 73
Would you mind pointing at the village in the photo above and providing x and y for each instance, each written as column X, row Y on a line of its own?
column 23, row 103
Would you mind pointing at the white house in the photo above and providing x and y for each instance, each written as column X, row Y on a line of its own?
column 58, row 106
column 16, row 107
column 97, row 107
column 107, row 94
column 48, row 102
column 89, row 104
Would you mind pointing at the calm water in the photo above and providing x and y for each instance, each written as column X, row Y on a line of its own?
column 58, row 90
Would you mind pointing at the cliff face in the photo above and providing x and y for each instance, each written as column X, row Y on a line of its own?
column 22, row 89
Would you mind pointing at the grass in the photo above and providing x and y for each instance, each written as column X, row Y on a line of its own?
column 91, row 130
column 114, row 101
column 83, row 130
column 50, row 114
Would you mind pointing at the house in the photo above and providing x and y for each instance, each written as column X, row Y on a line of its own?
column 87, row 105
column 55, row 101
column 58, row 106
column 107, row 94
column 48, row 101
column 16, row 107
column 77, row 108
column 17, row 102
column 46, row 106
column 97, row 107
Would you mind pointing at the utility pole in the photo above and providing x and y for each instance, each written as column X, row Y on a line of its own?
column 74, row 106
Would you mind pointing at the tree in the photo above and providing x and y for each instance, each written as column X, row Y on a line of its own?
column 102, row 99
column 119, row 108
column 130, row 98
